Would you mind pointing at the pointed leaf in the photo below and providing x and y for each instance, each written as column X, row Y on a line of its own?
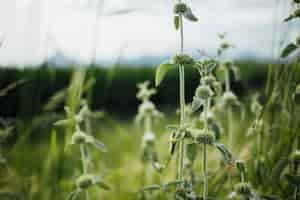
column 161, row 71
column 103, row 185
column 290, row 48
column 225, row 152
column 176, row 22
column 152, row 187
column 189, row 15
column 99, row 145
column 63, row 122
column 196, row 104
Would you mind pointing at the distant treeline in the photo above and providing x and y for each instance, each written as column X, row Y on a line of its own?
column 114, row 89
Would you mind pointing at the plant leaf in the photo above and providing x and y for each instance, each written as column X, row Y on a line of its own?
column 225, row 152
column 161, row 71
column 189, row 15
column 103, row 185
column 176, row 22
column 196, row 104
column 63, row 122
column 152, row 187
column 290, row 48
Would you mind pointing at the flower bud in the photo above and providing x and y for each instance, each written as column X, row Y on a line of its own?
column 183, row 59
column 84, row 182
column 180, row 8
column 243, row 189
column 204, row 92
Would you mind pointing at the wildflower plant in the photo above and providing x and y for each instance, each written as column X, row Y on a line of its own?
column 206, row 97
column 181, row 60
column 81, row 139
column 243, row 190
column 147, row 114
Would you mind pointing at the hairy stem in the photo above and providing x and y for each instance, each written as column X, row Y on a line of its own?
column 204, row 172
column 84, row 166
column 182, row 104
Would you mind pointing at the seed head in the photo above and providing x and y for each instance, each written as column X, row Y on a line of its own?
column 180, row 8
column 84, row 181
column 147, row 107
column 204, row 137
column 183, row 59
column 243, row 189
column 229, row 99
column 204, row 92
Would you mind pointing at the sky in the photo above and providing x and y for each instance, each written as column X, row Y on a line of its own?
column 33, row 31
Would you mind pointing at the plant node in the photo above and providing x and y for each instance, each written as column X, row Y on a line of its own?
column 180, row 8
column 183, row 59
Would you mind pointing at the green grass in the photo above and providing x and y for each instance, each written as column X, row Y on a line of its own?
column 36, row 172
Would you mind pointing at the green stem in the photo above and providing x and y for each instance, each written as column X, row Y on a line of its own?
column 84, row 166
column 182, row 104
column 204, row 172
column 148, row 124
column 83, row 159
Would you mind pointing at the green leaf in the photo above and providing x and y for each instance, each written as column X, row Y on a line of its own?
column 63, row 122
column 161, row 71
column 103, row 185
column 290, row 48
column 196, row 104
column 152, row 187
column 189, row 15
column 225, row 152
column 176, row 22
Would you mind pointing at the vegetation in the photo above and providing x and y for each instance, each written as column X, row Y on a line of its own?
column 220, row 143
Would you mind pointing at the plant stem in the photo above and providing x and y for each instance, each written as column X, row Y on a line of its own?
column 148, row 124
column 182, row 104
column 84, row 166
column 204, row 172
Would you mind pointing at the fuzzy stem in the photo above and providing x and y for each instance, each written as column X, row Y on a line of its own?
column 84, row 166
column 182, row 104
column 204, row 172
column 148, row 124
